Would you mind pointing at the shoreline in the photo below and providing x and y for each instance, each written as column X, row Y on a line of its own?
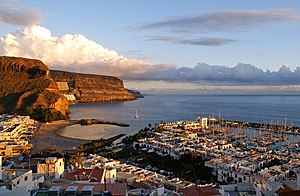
column 49, row 140
column 89, row 133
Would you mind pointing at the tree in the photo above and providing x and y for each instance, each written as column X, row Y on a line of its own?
column 274, row 162
column 137, row 146
column 45, row 114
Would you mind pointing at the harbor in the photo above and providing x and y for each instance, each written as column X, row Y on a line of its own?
column 237, row 152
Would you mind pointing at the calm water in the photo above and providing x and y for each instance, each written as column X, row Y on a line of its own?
column 156, row 108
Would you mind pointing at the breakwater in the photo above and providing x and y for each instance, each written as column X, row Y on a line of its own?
column 87, row 122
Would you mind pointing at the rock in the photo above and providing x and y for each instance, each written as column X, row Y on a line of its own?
column 136, row 93
column 93, row 88
column 26, row 85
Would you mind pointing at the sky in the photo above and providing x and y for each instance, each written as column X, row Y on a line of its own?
column 157, row 44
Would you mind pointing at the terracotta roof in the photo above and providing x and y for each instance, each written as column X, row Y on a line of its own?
column 200, row 191
column 117, row 189
column 93, row 175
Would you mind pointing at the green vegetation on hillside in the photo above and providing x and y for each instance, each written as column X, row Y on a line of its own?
column 45, row 114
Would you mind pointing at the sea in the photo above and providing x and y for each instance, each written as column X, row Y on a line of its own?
column 156, row 108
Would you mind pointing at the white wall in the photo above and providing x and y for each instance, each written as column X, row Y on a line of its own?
column 23, row 182
column 53, row 169
column 111, row 175
column 16, row 192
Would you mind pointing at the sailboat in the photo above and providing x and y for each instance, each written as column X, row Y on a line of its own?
column 136, row 114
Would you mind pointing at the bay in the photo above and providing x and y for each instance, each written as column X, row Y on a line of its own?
column 155, row 108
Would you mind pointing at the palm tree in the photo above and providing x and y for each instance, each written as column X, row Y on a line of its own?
column 77, row 157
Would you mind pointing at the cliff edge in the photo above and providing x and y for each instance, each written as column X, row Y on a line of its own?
column 92, row 88
column 26, row 88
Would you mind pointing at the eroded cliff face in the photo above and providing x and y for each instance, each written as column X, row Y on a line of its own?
column 93, row 88
column 26, row 84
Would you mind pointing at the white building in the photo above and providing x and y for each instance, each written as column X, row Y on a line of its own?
column 19, row 182
column 70, row 97
column 110, row 175
column 201, row 123
column 237, row 189
column 11, row 132
column 267, row 188
column 51, row 166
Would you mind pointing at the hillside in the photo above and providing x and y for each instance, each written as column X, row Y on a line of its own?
column 92, row 88
column 26, row 88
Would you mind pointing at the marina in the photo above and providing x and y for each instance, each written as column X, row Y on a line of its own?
column 236, row 151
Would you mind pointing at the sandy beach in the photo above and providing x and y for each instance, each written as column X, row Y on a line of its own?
column 48, row 139
column 91, row 132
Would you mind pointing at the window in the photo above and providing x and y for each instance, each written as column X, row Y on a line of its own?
column 26, row 178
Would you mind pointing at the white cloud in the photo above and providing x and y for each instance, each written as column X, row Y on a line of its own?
column 69, row 52
column 79, row 54
column 241, row 74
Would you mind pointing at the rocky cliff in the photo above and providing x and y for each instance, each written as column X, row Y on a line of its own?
column 26, row 87
column 93, row 88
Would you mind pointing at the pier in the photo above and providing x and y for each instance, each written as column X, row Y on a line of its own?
column 88, row 122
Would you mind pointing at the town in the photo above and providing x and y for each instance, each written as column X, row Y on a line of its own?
column 226, row 158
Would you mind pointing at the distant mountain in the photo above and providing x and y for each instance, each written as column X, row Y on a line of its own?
column 26, row 88
column 92, row 88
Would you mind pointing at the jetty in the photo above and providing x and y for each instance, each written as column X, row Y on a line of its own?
column 87, row 122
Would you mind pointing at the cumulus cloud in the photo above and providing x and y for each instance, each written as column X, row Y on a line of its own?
column 18, row 15
column 241, row 74
column 224, row 20
column 70, row 52
column 208, row 41
column 78, row 53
